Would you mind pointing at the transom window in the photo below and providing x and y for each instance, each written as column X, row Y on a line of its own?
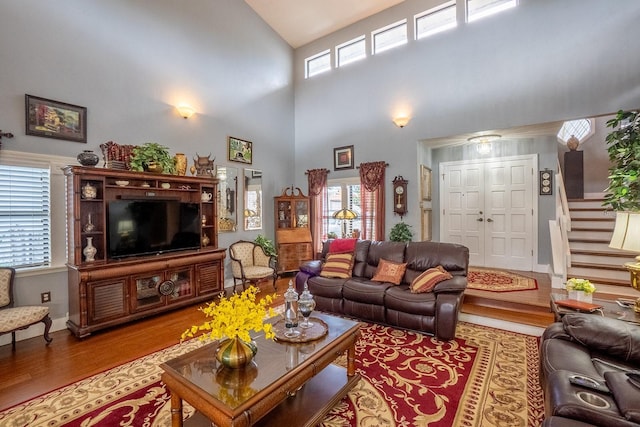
column 436, row 20
column 317, row 64
column 25, row 231
column 388, row 37
column 581, row 129
column 351, row 51
column 477, row 9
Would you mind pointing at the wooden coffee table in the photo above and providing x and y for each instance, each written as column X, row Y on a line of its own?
column 288, row 384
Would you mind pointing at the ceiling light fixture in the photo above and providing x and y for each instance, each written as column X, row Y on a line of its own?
column 185, row 111
column 484, row 142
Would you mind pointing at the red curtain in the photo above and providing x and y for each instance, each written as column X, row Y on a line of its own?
column 318, row 194
column 372, row 194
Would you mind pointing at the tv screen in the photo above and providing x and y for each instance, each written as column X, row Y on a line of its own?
column 143, row 227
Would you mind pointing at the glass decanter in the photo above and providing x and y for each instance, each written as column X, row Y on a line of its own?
column 291, row 312
column 306, row 304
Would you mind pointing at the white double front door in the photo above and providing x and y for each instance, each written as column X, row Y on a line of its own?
column 489, row 207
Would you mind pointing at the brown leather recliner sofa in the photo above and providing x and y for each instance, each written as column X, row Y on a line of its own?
column 590, row 347
column 434, row 312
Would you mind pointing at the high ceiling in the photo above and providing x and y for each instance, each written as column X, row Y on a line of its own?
column 302, row 21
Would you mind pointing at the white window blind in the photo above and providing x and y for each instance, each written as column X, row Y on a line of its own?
column 317, row 64
column 25, row 217
column 351, row 51
column 389, row 37
column 341, row 195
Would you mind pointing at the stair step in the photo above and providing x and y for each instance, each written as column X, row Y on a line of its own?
column 599, row 257
column 592, row 273
column 592, row 223
column 586, row 203
column 582, row 233
column 534, row 315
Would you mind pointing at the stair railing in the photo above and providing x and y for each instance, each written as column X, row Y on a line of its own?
column 559, row 232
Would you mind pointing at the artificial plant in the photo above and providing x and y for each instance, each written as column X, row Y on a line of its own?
column 401, row 232
column 266, row 244
column 150, row 152
column 623, row 146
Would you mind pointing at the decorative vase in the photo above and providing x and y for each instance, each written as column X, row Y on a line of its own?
column 235, row 353
column 154, row 167
column 89, row 227
column 89, row 251
column 205, row 240
column 573, row 143
column 89, row 191
column 180, row 160
column 88, row 158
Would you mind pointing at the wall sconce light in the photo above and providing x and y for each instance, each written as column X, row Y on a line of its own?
column 484, row 142
column 401, row 121
column 185, row 110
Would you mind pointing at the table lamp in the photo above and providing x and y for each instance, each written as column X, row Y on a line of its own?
column 345, row 215
column 626, row 236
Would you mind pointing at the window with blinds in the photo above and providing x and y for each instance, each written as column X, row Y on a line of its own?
column 25, row 217
column 341, row 194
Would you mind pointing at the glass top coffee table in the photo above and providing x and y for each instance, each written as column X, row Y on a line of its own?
column 287, row 384
column 609, row 309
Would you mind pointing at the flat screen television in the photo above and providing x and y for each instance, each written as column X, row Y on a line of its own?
column 147, row 227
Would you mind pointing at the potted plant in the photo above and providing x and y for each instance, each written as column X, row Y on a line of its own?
column 623, row 146
column 152, row 157
column 580, row 289
column 267, row 245
column 401, row 232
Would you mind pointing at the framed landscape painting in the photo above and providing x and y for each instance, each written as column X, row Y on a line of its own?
column 54, row 119
column 240, row 150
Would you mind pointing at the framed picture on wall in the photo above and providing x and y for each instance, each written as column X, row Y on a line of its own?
column 426, row 225
column 343, row 157
column 425, row 182
column 54, row 119
column 240, row 150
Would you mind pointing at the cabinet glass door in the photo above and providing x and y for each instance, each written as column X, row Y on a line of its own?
column 284, row 214
column 146, row 292
column 302, row 213
column 182, row 284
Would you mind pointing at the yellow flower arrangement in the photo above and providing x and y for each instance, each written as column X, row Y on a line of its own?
column 585, row 285
column 234, row 317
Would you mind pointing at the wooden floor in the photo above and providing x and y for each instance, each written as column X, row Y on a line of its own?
column 34, row 369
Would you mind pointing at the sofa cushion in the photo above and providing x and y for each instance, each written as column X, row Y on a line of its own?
column 338, row 266
column 400, row 298
column 626, row 394
column 325, row 287
column 389, row 271
column 610, row 336
column 341, row 246
column 429, row 279
column 365, row 291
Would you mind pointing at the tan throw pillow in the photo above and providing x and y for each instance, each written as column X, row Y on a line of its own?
column 389, row 271
column 429, row 279
column 338, row 266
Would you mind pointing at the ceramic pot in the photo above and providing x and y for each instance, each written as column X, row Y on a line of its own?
column 581, row 296
column 154, row 167
column 573, row 143
column 181, row 163
column 89, row 227
column 205, row 240
column 89, row 251
column 88, row 158
column 89, row 191
column 235, row 353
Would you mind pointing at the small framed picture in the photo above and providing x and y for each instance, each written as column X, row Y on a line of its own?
column 425, row 182
column 546, row 182
column 240, row 150
column 426, row 225
column 343, row 157
column 54, row 119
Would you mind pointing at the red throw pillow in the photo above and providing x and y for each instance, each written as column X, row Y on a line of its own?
column 389, row 271
column 342, row 246
column 429, row 279
column 338, row 266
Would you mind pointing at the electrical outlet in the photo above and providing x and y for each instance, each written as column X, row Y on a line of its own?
column 45, row 297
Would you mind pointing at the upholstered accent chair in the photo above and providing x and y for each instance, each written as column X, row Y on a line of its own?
column 21, row 317
column 249, row 263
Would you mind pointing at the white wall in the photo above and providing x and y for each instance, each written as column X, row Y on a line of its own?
column 540, row 62
column 130, row 63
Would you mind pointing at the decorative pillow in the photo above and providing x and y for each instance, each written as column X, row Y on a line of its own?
column 389, row 271
column 429, row 279
column 342, row 246
column 338, row 266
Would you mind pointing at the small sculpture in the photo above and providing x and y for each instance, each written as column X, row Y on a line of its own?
column 203, row 166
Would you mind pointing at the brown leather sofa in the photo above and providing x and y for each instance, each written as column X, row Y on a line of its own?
column 435, row 312
column 596, row 348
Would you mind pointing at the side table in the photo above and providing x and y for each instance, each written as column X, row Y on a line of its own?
column 610, row 309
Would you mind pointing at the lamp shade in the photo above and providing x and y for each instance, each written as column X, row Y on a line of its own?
column 626, row 234
column 345, row 214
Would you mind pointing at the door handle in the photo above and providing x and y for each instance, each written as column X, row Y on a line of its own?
column 489, row 220
column 479, row 219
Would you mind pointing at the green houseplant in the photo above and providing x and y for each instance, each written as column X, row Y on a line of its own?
column 267, row 245
column 623, row 146
column 144, row 157
column 401, row 232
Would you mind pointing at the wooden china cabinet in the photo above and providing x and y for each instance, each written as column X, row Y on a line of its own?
column 106, row 291
column 293, row 233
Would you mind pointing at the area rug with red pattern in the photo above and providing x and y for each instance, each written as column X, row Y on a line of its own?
column 488, row 279
column 484, row 377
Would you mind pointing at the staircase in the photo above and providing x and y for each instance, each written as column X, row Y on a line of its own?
column 591, row 257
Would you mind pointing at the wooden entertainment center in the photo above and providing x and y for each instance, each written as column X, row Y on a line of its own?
column 105, row 292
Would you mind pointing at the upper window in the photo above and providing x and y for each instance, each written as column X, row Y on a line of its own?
column 435, row 20
column 477, row 9
column 581, row 129
column 317, row 64
column 389, row 37
column 25, row 216
column 350, row 51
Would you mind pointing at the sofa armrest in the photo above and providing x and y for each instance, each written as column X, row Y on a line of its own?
column 455, row 284
column 313, row 268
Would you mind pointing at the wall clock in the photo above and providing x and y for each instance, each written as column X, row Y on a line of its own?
column 546, row 182
column 400, row 195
